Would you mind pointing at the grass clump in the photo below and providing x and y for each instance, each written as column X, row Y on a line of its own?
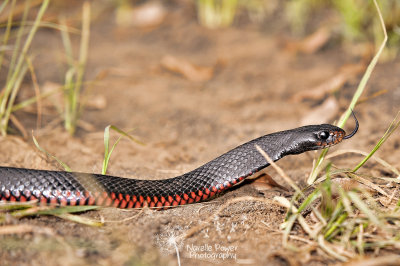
column 343, row 213
column 344, row 223
column 15, row 43
column 349, row 214
column 20, row 59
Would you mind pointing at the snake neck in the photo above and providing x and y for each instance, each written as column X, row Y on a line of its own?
column 276, row 145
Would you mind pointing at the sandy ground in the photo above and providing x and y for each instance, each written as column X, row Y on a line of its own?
column 184, row 124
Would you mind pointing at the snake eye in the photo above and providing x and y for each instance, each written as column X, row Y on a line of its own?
column 323, row 135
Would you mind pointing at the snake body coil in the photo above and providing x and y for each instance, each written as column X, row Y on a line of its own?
column 210, row 179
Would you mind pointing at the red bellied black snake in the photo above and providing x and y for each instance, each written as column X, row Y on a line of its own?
column 210, row 179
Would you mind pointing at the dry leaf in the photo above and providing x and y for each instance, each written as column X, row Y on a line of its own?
column 265, row 181
column 311, row 43
column 346, row 73
column 187, row 69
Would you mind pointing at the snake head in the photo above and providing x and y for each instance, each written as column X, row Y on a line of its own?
column 314, row 137
column 317, row 137
column 331, row 135
column 327, row 135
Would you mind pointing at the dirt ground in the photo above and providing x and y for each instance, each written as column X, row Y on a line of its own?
column 185, row 123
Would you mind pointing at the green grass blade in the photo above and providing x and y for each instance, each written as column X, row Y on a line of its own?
column 68, row 96
column 80, row 219
column 13, row 206
column 106, row 149
column 125, row 134
column 335, row 223
column 310, row 199
column 109, row 154
column 53, row 210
